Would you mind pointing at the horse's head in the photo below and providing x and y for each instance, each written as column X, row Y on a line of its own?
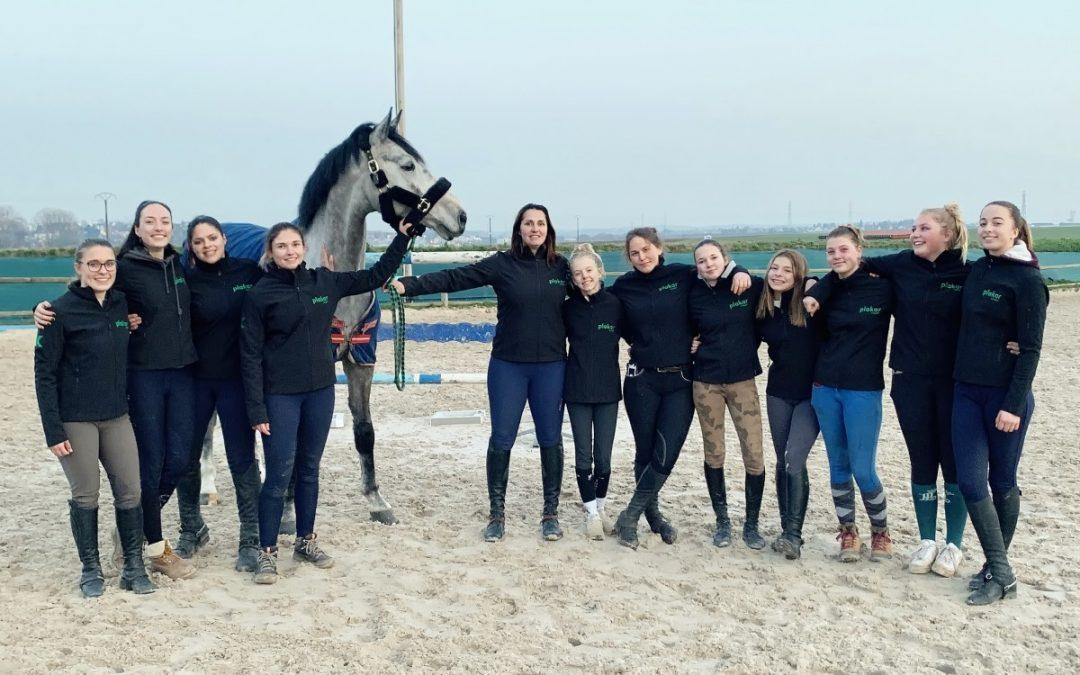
column 404, row 167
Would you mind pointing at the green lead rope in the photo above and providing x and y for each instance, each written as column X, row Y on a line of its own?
column 397, row 311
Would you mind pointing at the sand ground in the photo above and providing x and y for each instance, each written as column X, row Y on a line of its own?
column 428, row 594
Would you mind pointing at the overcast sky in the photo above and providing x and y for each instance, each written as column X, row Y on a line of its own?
column 704, row 113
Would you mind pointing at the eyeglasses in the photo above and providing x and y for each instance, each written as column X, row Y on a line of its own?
column 96, row 265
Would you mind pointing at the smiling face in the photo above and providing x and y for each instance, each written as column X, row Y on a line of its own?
column 287, row 249
column 586, row 275
column 96, row 268
column 997, row 229
column 643, row 254
column 928, row 237
column 533, row 228
column 207, row 243
column 154, row 228
column 781, row 274
column 710, row 262
column 843, row 255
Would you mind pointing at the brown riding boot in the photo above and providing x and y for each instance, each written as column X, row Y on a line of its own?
column 164, row 560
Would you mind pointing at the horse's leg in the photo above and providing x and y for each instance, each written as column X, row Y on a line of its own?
column 209, row 493
column 364, row 435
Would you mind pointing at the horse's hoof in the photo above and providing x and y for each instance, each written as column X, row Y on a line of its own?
column 385, row 517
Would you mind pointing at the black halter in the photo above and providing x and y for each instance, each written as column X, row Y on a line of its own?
column 419, row 205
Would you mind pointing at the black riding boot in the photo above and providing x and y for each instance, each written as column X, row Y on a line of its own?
column 714, row 481
column 498, row 473
column 84, row 527
column 129, row 524
column 247, row 487
column 1008, row 512
column 656, row 520
column 648, row 486
column 780, row 477
column 551, row 471
column 797, row 492
column 194, row 534
column 1001, row 583
column 754, row 489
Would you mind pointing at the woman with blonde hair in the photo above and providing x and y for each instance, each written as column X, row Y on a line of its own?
column 591, row 387
column 794, row 338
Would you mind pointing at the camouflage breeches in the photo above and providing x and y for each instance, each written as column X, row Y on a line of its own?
column 741, row 399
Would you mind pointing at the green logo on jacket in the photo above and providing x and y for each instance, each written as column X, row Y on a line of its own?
column 120, row 324
column 37, row 341
column 739, row 303
column 669, row 287
column 993, row 295
column 241, row 287
column 605, row 326
column 556, row 282
column 945, row 285
column 320, row 300
column 179, row 280
column 870, row 310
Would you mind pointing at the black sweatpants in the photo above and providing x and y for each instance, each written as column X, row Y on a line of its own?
column 593, row 425
column 924, row 408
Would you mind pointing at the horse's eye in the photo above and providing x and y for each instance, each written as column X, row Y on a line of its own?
column 409, row 167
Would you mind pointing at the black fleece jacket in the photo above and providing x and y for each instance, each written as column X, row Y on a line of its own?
column 724, row 322
column 927, row 309
column 217, row 297
column 1004, row 300
column 285, row 329
column 80, row 361
column 857, row 328
column 656, row 313
column 530, row 292
column 793, row 351
column 592, row 328
column 157, row 291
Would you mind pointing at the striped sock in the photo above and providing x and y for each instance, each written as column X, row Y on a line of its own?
column 843, row 497
column 925, row 498
column 874, row 502
column 955, row 514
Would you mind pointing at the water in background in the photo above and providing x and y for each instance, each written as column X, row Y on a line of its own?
column 15, row 297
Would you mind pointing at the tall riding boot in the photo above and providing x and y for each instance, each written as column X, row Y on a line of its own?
column 657, row 522
column 714, row 481
column 129, row 523
column 247, row 486
column 797, row 491
column 648, row 486
column 1008, row 512
column 498, row 473
column 84, row 527
column 1001, row 584
column 754, row 489
column 780, row 476
column 551, row 471
column 194, row 534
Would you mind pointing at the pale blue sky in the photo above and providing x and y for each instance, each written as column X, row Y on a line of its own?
column 710, row 113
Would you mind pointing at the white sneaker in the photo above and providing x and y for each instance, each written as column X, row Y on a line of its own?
column 594, row 527
column 948, row 561
column 608, row 523
column 923, row 557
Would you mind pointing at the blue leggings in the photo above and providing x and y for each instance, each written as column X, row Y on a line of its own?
column 850, row 421
column 985, row 455
column 299, row 425
column 160, row 404
column 510, row 385
column 227, row 397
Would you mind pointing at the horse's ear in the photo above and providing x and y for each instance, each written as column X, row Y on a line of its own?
column 397, row 121
column 382, row 129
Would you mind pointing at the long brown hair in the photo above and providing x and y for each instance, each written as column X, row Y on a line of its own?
column 1021, row 223
column 769, row 297
column 517, row 244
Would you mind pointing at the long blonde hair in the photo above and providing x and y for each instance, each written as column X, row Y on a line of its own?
column 948, row 217
column 769, row 297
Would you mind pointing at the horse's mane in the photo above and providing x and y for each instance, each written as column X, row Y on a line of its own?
column 336, row 162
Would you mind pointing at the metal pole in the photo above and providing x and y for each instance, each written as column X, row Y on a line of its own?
column 578, row 219
column 491, row 238
column 105, row 197
column 399, row 65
